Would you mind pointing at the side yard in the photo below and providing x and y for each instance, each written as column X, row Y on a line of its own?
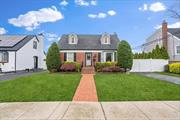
column 134, row 87
column 40, row 87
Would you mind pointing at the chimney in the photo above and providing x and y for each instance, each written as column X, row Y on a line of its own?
column 164, row 34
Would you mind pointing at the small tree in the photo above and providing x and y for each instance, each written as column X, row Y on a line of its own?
column 53, row 60
column 125, row 55
column 164, row 53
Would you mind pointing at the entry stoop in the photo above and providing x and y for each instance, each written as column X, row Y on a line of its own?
column 88, row 70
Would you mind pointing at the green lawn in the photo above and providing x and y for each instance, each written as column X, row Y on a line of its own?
column 134, row 87
column 40, row 87
column 170, row 74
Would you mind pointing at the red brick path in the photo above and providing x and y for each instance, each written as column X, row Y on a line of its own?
column 86, row 90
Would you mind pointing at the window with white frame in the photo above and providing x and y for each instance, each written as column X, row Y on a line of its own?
column 178, row 49
column 35, row 44
column 4, row 56
column 109, row 57
column 70, row 57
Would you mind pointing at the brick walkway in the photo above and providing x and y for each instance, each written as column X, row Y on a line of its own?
column 86, row 90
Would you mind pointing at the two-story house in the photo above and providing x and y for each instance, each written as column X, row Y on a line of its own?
column 21, row 52
column 88, row 49
column 167, row 37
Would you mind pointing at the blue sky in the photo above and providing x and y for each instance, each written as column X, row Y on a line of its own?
column 132, row 20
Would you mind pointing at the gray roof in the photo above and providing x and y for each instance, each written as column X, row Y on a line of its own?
column 175, row 32
column 13, row 42
column 88, row 42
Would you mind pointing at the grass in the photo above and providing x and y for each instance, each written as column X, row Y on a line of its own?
column 134, row 87
column 170, row 74
column 40, row 87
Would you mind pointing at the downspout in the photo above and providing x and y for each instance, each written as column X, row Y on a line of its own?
column 15, row 62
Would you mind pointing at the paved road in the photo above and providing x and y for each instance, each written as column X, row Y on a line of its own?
column 172, row 79
column 8, row 76
column 150, row 110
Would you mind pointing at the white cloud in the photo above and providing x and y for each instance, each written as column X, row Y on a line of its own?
column 93, row 2
column 111, row 12
column 63, row 3
column 173, row 25
column 2, row 31
column 32, row 19
column 51, row 37
column 92, row 15
column 144, row 8
column 100, row 15
column 156, row 7
column 82, row 2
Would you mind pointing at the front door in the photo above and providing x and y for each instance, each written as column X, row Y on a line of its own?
column 35, row 62
column 88, row 59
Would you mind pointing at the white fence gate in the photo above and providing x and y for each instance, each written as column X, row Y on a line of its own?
column 149, row 65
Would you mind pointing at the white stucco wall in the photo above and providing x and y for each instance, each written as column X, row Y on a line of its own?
column 10, row 66
column 24, row 56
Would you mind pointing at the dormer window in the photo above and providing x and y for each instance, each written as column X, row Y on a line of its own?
column 105, row 39
column 73, row 39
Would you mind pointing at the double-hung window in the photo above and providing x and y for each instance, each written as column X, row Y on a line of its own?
column 4, row 56
column 70, row 57
column 35, row 44
column 109, row 57
column 178, row 49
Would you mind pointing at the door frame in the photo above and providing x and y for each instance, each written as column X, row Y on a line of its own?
column 91, row 58
column 35, row 62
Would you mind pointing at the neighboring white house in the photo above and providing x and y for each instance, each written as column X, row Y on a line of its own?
column 21, row 52
column 167, row 37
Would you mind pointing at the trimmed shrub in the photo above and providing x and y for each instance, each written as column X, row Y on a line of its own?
column 71, row 66
column 125, row 55
column 53, row 61
column 68, row 67
column 100, row 65
column 113, row 69
column 174, row 67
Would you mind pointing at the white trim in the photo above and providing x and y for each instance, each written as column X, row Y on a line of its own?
column 67, row 56
column 174, row 36
column 81, row 50
column 111, row 56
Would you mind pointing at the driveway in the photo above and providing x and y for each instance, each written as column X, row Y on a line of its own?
column 149, row 110
column 8, row 76
column 172, row 79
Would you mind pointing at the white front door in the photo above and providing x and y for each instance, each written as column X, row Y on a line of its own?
column 88, row 59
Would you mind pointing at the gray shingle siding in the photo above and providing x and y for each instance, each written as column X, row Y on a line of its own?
column 18, row 45
column 88, row 42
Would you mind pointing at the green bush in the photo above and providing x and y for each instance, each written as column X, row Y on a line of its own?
column 125, row 55
column 53, row 61
column 174, row 67
column 77, row 64
column 157, row 53
column 100, row 65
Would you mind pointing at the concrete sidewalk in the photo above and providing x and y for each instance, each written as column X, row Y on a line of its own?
column 150, row 110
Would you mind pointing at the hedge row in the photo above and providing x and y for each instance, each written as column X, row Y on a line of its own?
column 174, row 67
column 157, row 53
column 100, row 65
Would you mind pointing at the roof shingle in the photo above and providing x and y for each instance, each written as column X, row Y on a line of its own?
column 88, row 42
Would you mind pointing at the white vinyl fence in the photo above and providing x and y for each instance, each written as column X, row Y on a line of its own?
column 149, row 65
